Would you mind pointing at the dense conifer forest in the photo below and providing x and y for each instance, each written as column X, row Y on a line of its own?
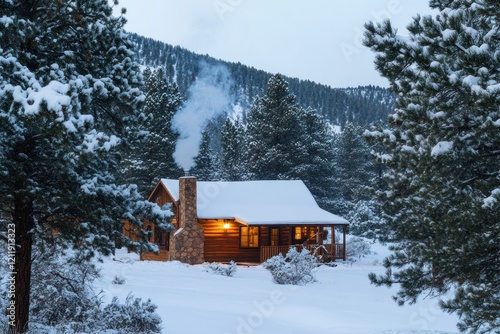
column 357, row 105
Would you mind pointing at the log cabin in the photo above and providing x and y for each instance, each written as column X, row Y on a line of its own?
column 245, row 221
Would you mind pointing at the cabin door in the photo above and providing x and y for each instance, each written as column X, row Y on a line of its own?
column 274, row 236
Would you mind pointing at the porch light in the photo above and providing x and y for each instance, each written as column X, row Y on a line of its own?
column 226, row 226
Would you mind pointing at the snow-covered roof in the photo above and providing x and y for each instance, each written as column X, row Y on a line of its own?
column 258, row 202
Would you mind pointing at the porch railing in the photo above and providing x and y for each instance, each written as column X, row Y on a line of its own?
column 267, row 252
column 335, row 251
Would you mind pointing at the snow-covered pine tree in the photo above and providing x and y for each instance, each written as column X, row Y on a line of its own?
column 316, row 164
column 286, row 141
column 365, row 219
column 272, row 133
column 442, row 150
column 354, row 169
column 205, row 168
column 152, row 157
column 68, row 93
column 233, row 159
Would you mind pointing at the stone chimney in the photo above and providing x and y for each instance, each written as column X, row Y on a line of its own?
column 187, row 201
column 187, row 242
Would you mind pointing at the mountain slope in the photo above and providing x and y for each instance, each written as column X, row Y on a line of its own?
column 361, row 105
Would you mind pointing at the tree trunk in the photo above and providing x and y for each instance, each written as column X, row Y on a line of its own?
column 24, row 223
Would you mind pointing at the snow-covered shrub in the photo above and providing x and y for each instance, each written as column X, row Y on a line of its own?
column 118, row 279
column 135, row 316
column 295, row 268
column 220, row 269
column 64, row 301
column 63, row 293
column 357, row 248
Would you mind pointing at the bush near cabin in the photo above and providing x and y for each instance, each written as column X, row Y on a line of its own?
column 295, row 268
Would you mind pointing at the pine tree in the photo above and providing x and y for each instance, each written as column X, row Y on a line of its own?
column 364, row 219
column 233, row 159
column 354, row 169
column 442, row 151
column 69, row 92
column 315, row 166
column 285, row 141
column 273, row 130
column 152, row 158
column 204, row 168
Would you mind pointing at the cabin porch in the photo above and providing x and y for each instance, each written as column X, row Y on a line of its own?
column 329, row 251
column 320, row 240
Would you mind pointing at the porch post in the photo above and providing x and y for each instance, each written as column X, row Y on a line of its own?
column 334, row 249
column 319, row 235
column 344, row 228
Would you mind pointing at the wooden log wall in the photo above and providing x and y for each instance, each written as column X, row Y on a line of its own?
column 149, row 256
column 223, row 245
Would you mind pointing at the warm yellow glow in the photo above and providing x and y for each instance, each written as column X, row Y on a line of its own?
column 226, row 226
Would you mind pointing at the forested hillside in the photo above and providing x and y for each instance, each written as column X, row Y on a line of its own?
column 233, row 122
column 360, row 106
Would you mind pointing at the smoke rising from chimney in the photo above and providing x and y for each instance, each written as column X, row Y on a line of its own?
column 208, row 97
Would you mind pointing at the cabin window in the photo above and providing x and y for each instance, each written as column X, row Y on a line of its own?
column 249, row 236
column 274, row 236
column 303, row 233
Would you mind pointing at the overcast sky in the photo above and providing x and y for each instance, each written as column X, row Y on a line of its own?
column 317, row 40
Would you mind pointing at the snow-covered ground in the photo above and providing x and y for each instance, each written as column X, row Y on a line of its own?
column 191, row 300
